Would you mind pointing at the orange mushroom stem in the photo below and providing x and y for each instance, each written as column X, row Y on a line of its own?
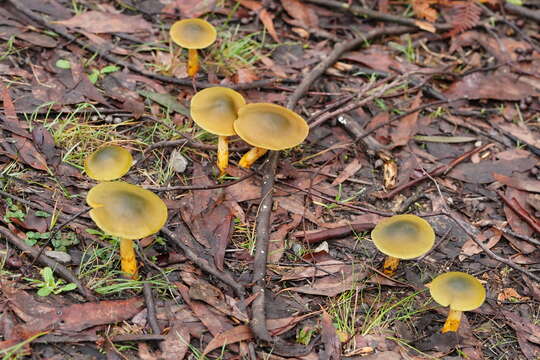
column 222, row 154
column 452, row 321
column 251, row 156
column 128, row 259
column 390, row 265
column 193, row 62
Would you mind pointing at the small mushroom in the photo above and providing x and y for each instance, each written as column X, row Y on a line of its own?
column 461, row 292
column 109, row 162
column 128, row 212
column 193, row 34
column 215, row 109
column 402, row 237
column 268, row 127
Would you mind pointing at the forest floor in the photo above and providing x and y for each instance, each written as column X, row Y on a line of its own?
column 425, row 107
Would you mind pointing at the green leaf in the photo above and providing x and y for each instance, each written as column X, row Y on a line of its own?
column 93, row 77
column 44, row 291
column 109, row 69
column 47, row 274
column 445, row 139
column 63, row 64
column 515, row 2
column 68, row 287
column 167, row 101
column 41, row 213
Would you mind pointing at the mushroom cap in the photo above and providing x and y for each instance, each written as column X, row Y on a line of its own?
column 460, row 291
column 125, row 210
column 403, row 236
column 270, row 126
column 109, row 162
column 193, row 33
column 215, row 109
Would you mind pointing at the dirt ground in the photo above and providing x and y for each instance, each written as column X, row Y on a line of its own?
column 424, row 107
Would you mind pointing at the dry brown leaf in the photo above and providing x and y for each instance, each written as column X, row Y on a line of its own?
column 348, row 278
column 348, row 172
column 266, row 18
column 406, row 127
column 519, row 183
column 480, row 85
column 322, row 268
column 492, row 236
column 99, row 22
column 303, row 13
column 195, row 8
column 276, row 246
column 423, row 9
column 330, row 339
column 176, row 343
column 231, row 336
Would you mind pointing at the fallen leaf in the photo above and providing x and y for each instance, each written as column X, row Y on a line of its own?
column 302, row 13
column 406, row 127
column 519, row 183
column 195, row 8
column 479, row 85
column 517, row 224
column 349, row 277
column 481, row 173
column 244, row 76
column 322, row 268
column 98, row 22
column 510, row 294
column 176, row 343
column 236, row 334
column 166, row 100
column 489, row 237
column 520, row 131
column 276, row 245
column 266, row 18
column 348, row 172
column 330, row 339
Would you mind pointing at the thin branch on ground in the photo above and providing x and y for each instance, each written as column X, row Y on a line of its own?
column 150, row 308
column 205, row 265
column 199, row 187
column 58, row 268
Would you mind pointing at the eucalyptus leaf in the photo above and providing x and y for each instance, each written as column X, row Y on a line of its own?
column 167, row 101
column 445, row 139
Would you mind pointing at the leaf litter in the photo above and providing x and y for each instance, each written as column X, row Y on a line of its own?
column 325, row 300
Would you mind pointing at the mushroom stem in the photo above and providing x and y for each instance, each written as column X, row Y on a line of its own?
column 127, row 258
column 193, row 62
column 390, row 265
column 222, row 154
column 452, row 321
column 251, row 156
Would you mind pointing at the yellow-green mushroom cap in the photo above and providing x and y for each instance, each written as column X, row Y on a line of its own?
column 125, row 210
column 403, row 236
column 460, row 291
column 270, row 126
column 193, row 33
column 215, row 109
column 109, row 162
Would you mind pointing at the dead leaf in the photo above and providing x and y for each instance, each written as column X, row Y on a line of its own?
column 481, row 173
column 195, row 8
column 406, row 127
column 510, row 294
column 244, row 76
column 519, row 183
column 322, row 268
column 516, row 222
column 98, row 22
column 276, row 246
column 492, row 236
column 348, row 172
column 302, row 13
column 330, row 339
column 520, row 131
column 293, row 205
column 348, row 278
column 479, row 85
column 236, row 334
column 266, row 18
column 176, row 343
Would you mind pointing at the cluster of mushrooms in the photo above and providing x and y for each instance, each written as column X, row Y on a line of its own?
column 403, row 237
column 119, row 208
column 131, row 212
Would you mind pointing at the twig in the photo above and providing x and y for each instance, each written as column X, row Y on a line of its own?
column 60, row 269
column 205, row 265
column 376, row 15
column 108, row 56
column 198, row 187
column 519, row 236
column 52, row 338
column 339, row 232
column 150, row 308
column 258, row 321
column 466, row 228
column 440, row 170
column 522, row 213
column 523, row 11
column 336, row 53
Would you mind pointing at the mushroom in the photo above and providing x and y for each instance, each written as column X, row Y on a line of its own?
column 193, row 34
column 402, row 237
column 460, row 291
column 128, row 212
column 268, row 127
column 215, row 109
column 109, row 162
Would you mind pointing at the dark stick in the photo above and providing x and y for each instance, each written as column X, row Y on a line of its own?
column 112, row 58
column 376, row 15
column 258, row 321
column 203, row 264
column 339, row 232
column 336, row 53
column 51, row 338
column 58, row 268
column 151, row 308
column 523, row 11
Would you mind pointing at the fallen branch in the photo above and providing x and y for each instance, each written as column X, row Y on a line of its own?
column 336, row 233
column 58, row 268
column 377, row 15
column 151, row 308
